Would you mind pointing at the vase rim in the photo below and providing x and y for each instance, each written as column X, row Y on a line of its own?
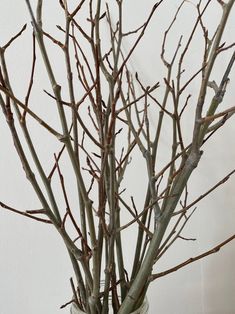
column 143, row 309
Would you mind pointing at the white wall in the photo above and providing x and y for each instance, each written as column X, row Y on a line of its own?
column 34, row 266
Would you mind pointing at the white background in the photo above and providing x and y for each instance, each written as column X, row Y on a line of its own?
column 34, row 266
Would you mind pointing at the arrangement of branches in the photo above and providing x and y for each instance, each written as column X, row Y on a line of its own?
column 105, row 122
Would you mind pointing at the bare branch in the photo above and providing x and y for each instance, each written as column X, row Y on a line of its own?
column 31, row 80
column 192, row 259
column 31, row 113
column 26, row 213
column 14, row 38
column 225, row 179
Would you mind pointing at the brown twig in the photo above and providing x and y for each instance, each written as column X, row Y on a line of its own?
column 192, row 259
column 14, row 38
column 26, row 213
column 30, row 81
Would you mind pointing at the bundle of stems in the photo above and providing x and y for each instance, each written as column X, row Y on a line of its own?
column 105, row 122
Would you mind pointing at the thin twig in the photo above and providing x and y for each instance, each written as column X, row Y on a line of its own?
column 14, row 38
column 192, row 259
column 26, row 213
column 31, row 80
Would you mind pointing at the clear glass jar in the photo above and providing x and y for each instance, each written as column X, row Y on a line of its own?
column 143, row 309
